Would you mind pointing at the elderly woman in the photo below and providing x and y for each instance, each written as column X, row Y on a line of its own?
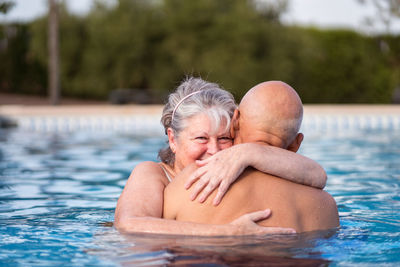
column 196, row 120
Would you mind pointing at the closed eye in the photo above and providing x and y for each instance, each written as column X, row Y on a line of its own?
column 225, row 139
column 201, row 139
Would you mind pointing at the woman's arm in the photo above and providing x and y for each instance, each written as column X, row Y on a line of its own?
column 283, row 163
column 142, row 195
column 244, row 225
column 140, row 206
column 223, row 168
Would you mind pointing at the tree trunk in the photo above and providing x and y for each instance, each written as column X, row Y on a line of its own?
column 53, row 68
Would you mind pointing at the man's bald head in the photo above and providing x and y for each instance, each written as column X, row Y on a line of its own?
column 270, row 112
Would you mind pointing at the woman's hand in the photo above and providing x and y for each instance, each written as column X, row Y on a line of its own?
column 248, row 223
column 219, row 170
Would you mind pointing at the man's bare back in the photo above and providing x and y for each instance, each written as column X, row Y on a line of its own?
column 293, row 205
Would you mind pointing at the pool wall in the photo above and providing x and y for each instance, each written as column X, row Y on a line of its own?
column 144, row 119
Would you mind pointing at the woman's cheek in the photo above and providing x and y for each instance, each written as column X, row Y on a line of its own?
column 227, row 145
column 193, row 152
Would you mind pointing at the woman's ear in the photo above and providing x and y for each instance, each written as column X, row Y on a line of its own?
column 171, row 139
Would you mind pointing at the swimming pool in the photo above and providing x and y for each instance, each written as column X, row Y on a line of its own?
column 58, row 192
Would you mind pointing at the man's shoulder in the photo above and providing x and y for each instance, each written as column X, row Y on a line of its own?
column 176, row 186
column 328, row 199
column 175, row 193
column 317, row 207
column 184, row 174
column 252, row 180
column 252, row 174
column 273, row 183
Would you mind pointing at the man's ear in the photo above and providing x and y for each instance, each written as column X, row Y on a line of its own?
column 295, row 145
column 171, row 139
column 235, row 122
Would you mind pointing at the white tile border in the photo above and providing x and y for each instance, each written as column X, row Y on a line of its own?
column 145, row 119
column 351, row 122
column 151, row 123
column 143, row 124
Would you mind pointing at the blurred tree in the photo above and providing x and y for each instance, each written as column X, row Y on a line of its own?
column 5, row 6
column 345, row 67
column 20, row 71
column 53, row 50
column 225, row 41
column 387, row 11
column 122, row 41
column 151, row 45
column 73, row 39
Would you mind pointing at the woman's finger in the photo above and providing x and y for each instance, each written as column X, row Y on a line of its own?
column 194, row 177
column 201, row 183
column 279, row 230
column 259, row 215
column 208, row 190
column 223, row 187
column 202, row 162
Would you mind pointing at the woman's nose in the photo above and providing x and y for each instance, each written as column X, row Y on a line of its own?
column 213, row 147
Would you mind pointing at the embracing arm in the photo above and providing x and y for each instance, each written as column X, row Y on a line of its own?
column 244, row 225
column 140, row 207
column 283, row 163
column 223, row 168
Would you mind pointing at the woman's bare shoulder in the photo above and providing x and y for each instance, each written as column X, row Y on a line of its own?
column 148, row 166
column 148, row 170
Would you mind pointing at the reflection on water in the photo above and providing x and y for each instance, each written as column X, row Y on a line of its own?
column 58, row 193
column 147, row 249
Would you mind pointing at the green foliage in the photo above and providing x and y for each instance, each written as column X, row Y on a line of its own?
column 20, row 71
column 344, row 67
column 5, row 6
column 152, row 45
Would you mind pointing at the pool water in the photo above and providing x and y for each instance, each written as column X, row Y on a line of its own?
column 58, row 193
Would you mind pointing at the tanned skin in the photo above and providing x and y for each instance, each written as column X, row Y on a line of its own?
column 270, row 113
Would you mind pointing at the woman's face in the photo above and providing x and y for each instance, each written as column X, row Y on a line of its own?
column 198, row 141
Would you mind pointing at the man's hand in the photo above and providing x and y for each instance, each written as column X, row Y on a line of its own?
column 248, row 223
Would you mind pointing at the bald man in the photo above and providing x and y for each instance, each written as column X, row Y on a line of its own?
column 270, row 113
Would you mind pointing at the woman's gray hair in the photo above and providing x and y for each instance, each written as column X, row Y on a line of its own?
column 217, row 103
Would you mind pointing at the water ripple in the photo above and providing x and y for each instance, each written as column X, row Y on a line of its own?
column 57, row 193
